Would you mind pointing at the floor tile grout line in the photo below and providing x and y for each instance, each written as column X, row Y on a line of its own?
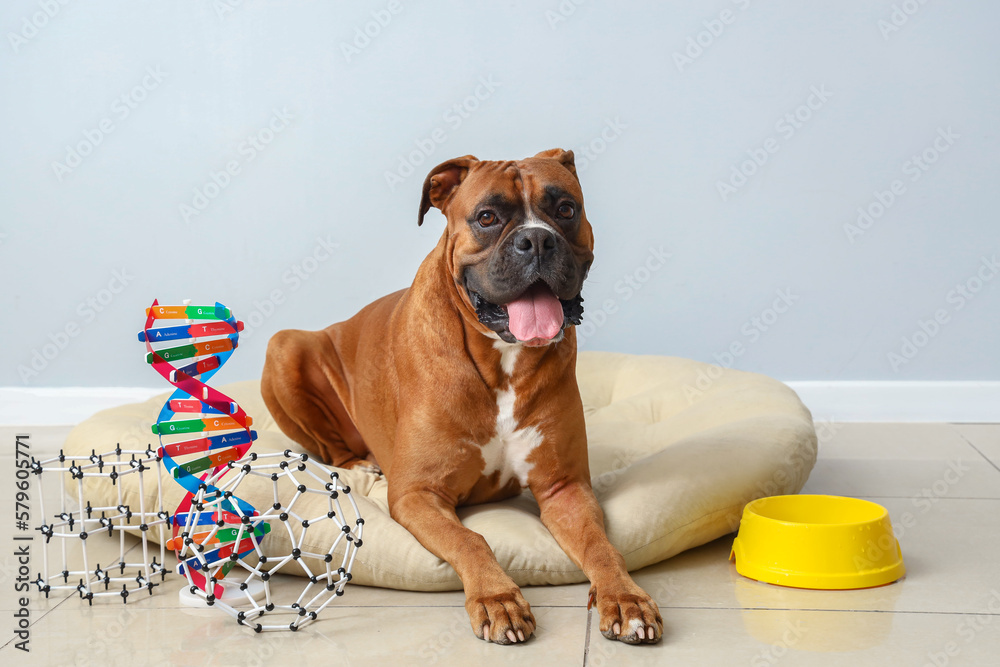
column 969, row 442
column 939, row 498
column 589, row 613
column 376, row 606
column 38, row 620
column 844, row 611
column 586, row 640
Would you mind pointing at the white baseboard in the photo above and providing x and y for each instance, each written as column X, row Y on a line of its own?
column 862, row 401
column 852, row 401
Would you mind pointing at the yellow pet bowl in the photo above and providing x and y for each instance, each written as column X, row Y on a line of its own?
column 826, row 542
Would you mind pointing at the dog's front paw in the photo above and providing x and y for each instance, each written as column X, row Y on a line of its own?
column 502, row 618
column 628, row 614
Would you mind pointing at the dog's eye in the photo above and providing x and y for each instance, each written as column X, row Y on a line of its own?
column 487, row 218
column 565, row 210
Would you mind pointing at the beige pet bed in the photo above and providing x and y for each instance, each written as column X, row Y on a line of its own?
column 677, row 448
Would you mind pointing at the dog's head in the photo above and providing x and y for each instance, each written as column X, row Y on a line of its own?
column 519, row 243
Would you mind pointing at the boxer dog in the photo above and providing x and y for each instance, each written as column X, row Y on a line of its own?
column 462, row 389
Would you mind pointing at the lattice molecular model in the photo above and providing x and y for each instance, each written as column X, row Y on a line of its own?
column 77, row 520
column 228, row 550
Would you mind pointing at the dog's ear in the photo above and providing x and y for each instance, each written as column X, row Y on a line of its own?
column 442, row 182
column 566, row 158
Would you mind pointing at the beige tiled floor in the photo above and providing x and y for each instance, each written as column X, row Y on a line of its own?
column 940, row 482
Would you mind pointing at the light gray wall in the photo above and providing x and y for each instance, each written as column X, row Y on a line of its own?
column 654, row 136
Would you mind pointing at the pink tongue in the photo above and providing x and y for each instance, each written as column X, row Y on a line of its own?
column 536, row 314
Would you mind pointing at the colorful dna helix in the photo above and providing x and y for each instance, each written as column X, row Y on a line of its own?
column 196, row 463
column 204, row 440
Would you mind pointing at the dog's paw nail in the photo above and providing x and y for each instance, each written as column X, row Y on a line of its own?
column 486, row 631
column 616, row 628
column 511, row 637
column 642, row 633
column 651, row 633
column 520, row 635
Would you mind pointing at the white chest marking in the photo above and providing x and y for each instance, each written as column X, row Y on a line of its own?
column 508, row 450
column 508, row 355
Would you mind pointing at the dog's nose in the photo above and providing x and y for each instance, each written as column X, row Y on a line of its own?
column 536, row 241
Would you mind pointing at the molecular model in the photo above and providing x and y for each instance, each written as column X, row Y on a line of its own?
column 77, row 520
column 228, row 550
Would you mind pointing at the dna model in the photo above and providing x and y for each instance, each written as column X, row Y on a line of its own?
column 204, row 441
column 231, row 553
column 215, row 413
